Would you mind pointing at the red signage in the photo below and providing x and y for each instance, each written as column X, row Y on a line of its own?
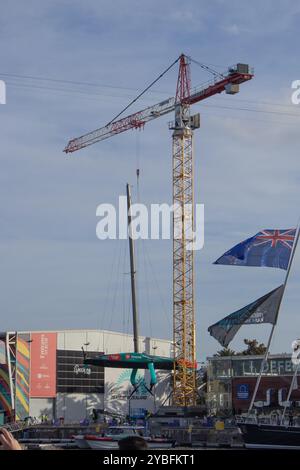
column 272, row 391
column 114, row 357
column 43, row 365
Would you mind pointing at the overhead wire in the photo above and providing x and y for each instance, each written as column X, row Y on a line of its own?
column 264, row 103
column 243, row 118
column 251, row 110
column 72, row 82
column 87, row 94
column 233, row 108
column 64, row 90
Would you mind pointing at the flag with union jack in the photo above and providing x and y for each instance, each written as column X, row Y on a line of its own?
column 270, row 247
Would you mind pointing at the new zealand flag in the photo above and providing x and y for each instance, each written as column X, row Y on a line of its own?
column 271, row 248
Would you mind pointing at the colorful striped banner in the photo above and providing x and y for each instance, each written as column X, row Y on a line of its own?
column 5, row 397
column 2, row 352
column 22, row 378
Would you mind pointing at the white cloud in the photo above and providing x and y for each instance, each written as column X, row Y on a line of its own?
column 232, row 29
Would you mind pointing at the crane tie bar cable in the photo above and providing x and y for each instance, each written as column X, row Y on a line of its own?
column 144, row 91
column 206, row 67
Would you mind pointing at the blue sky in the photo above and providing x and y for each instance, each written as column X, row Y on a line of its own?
column 54, row 272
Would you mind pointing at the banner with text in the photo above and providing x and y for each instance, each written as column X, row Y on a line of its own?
column 43, row 365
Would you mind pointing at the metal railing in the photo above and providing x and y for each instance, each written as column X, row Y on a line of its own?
column 17, row 426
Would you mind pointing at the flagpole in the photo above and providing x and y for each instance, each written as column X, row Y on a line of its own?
column 265, row 359
column 289, row 394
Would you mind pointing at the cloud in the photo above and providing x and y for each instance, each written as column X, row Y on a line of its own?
column 232, row 29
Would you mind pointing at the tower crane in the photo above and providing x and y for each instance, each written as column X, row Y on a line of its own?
column 184, row 342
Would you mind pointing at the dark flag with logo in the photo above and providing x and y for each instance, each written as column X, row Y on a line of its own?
column 262, row 310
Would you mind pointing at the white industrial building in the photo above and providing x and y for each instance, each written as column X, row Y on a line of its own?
column 79, row 389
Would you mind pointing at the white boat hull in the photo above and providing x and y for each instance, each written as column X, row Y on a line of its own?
column 102, row 445
column 110, row 445
column 81, row 442
column 161, row 445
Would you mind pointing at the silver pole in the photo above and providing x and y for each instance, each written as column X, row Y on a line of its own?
column 265, row 359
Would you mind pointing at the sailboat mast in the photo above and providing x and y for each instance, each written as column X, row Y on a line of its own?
column 132, row 274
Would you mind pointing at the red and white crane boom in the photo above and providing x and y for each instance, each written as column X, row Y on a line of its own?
column 230, row 84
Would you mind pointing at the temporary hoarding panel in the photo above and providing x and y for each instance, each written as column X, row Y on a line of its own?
column 43, row 365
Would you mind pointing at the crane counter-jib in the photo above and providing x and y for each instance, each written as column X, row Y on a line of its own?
column 227, row 85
